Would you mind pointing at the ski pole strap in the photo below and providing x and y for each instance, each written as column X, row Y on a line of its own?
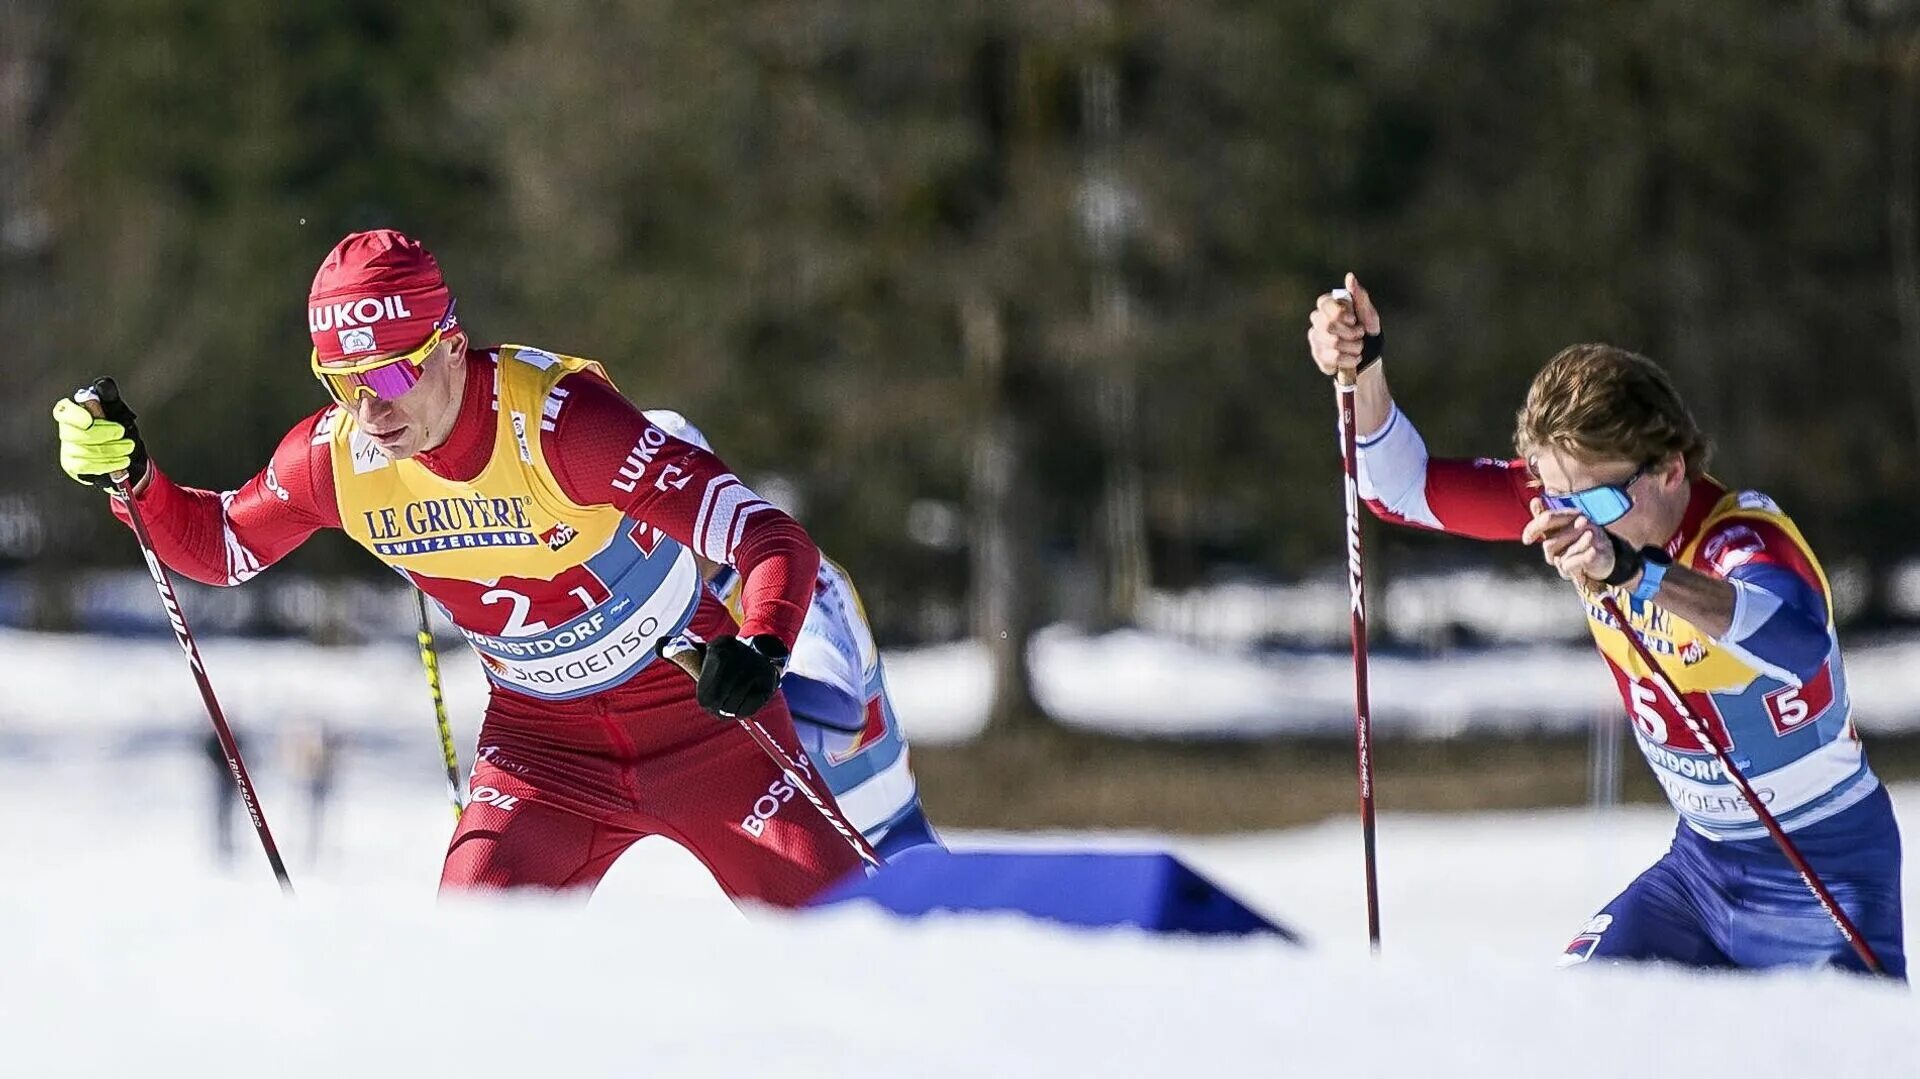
column 1373, row 345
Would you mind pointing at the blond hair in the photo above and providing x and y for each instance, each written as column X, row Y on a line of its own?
column 1596, row 402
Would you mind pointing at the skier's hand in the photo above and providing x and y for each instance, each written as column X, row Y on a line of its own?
column 1573, row 545
column 738, row 678
column 95, row 448
column 1344, row 333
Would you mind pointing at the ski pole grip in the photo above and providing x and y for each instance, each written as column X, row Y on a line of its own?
column 90, row 400
column 1346, row 377
column 1343, row 377
column 683, row 654
column 688, row 656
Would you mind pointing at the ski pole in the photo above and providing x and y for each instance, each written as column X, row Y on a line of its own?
column 1345, row 388
column 178, row 620
column 430, row 661
column 687, row 655
column 1705, row 737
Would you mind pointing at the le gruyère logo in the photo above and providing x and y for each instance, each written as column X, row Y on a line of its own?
column 431, row 525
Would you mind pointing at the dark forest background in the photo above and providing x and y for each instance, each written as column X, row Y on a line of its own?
column 1006, row 299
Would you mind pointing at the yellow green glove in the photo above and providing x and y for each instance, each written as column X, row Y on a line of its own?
column 94, row 448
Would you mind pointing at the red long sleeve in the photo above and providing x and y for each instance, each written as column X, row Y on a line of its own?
column 604, row 451
column 226, row 537
column 1482, row 498
column 1485, row 498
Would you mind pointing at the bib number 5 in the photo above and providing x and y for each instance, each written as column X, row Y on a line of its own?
column 1660, row 721
column 1791, row 708
column 1646, row 712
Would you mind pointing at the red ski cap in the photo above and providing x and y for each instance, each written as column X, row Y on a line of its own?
column 377, row 293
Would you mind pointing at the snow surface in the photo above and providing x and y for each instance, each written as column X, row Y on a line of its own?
column 1120, row 682
column 127, row 951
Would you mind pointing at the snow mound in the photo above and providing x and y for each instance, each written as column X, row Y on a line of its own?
column 242, row 987
column 129, row 953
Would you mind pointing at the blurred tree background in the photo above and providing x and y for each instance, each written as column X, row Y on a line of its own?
column 1006, row 298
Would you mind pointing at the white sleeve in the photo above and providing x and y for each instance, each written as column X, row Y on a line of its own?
column 1752, row 606
column 834, row 642
column 1392, row 467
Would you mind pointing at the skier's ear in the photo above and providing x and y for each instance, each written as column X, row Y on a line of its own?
column 1671, row 471
column 450, row 355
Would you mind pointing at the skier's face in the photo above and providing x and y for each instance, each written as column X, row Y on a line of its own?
column 420, row 419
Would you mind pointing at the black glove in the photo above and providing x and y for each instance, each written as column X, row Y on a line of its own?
column 738, row 678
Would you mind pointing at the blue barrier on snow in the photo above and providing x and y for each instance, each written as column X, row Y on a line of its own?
column 1148, row 890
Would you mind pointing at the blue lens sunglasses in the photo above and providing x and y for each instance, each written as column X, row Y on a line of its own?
column 1602, row 505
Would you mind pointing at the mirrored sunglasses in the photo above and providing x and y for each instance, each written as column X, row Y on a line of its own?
column 387, row 378
column 1602, row 504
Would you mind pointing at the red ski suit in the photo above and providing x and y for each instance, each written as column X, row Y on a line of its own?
column 562, row 787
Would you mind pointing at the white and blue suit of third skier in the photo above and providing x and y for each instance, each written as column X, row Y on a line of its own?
column 836, row 688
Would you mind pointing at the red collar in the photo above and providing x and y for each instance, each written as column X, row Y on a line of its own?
column 1707, row 493
column 463, row 456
